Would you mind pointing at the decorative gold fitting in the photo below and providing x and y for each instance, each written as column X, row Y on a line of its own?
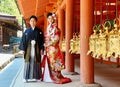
column 59, row 2
column 115, row 25
column 116, row 22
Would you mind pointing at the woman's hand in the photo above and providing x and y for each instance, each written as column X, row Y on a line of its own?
column 41, row 51
column 48, row 43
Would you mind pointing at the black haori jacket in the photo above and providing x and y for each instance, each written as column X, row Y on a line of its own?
column 25, row 43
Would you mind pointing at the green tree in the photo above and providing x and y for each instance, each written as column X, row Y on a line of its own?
column 10, row 7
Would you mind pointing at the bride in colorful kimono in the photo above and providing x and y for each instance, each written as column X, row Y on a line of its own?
column 53, row 61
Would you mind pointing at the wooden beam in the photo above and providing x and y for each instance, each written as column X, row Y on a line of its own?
column 19, row 2
column 52, row 1
column 63, row 4
column 36, row 9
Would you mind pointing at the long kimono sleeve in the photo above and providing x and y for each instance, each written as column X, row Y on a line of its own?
column 41, row 40
column 55, row 39
column 54, row 36
column 42, row 46
column 22, row 43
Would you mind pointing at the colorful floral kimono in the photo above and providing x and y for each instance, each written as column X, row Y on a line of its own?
column 53, row 61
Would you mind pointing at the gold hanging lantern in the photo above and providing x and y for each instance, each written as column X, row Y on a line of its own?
column 77, row 44
column 101, row 43
column 72, row 44
column 103, row 40
column 114, row 41
column 106, row 44
column 92, row 42
column 63, row 46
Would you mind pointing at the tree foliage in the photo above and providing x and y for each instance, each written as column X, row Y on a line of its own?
column 10, row 7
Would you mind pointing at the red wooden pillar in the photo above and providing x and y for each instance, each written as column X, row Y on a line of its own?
column 86, row 61
column 69, row 61
column 45, row 23
column 61, row 25
column 61, row 22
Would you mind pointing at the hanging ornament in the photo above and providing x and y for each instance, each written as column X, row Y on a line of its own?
column 92, row 42
column 77, row 44
column 72, row 44
column 63, row 46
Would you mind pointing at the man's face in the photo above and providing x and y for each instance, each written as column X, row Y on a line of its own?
column 33, row 22
column 50, row 19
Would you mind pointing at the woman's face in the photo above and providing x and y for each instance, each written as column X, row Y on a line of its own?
column 33, row 22
column 50, row 19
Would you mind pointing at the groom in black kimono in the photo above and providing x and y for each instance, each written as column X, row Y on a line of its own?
column 32, row 46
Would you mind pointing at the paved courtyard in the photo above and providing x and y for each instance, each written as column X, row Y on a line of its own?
column 106, row 75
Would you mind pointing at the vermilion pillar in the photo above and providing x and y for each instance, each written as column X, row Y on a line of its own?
column 61, row 25
column 86, row 61
column 69, row 61
column 45, row 23
column 61, row 22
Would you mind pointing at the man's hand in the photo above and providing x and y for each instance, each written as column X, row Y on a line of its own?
column 21, row 52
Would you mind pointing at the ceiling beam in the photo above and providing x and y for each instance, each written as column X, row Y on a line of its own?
column 63, row 4
column 36, row 9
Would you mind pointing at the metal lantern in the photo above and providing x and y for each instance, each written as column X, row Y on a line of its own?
column 63, row 46
column 72, row 44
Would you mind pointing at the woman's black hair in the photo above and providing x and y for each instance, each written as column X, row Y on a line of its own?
column 49, row 14
column 33, row 16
